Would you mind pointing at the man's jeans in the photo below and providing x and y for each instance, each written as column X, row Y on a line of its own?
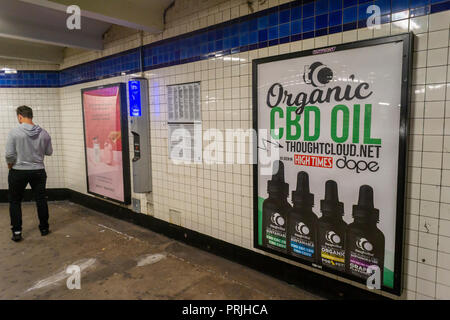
column 17, row 181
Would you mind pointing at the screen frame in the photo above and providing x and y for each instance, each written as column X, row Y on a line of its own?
column 407, row 40
column 124, row 140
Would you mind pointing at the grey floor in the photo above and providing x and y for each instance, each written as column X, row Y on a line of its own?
column 119, row 260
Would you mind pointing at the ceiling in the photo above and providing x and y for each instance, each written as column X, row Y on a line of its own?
column 36, row 29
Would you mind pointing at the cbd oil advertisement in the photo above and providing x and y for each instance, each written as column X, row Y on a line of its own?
column 330, row 176
column 106, row 165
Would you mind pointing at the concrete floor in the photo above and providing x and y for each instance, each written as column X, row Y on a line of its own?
column 119, row 260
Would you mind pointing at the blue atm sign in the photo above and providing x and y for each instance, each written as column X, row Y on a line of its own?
column 134, row 97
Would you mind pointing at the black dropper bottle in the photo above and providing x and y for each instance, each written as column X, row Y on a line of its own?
column 365, row 242
column 302, row 222
column 331, row 229
column 274, row 212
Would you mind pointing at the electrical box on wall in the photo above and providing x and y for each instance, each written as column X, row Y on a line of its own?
column 138, row 103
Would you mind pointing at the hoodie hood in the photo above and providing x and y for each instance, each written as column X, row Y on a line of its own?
column 30, row 130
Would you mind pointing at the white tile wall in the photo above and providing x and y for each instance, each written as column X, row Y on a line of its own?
column 216, row 199
column 46, row 111
column 428, row 151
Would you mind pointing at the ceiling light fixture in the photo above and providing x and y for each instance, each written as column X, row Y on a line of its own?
column 8, row 70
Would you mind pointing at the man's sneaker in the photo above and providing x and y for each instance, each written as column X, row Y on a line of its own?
column 17, row 236
column 45, row 232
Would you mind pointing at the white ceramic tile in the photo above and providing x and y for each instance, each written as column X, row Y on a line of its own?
column 445, row 195
column 410, row 282
column 349, row 36
column 418, row 93
column 334, row 39
column 442, row 292
column 443, row 260
column 321, row 42
column 432, row 143
column 445, row 178
column 420, row 59
column 437, row 57
column 429, row 209
column 365, row 33
column 419, row 76
column 412, row 237
column 420, row 296
column 435, row 92
column 413, row 190
column 447, row 124
column 429, row 240
column 435, row 109
column 398, row 27
column 415, row 142
column 427, row 288
column 436, row 74
column 444, row 244
column 409, row 295
column 438, row 39
column 419, row 24
column 410, row 267
column 427, row 256
column 421, row 42
column 426, row 272
column 439, row 21
column 413, row 206
column 416, row 124
column 442, row 276
column 444, row 211
column 432, row 160
column 412, row 221
column 417, row 109
column 383, row 30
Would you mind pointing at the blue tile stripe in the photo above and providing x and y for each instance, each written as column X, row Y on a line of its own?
column 107, row 67
column 30, row 78
column 282, row 24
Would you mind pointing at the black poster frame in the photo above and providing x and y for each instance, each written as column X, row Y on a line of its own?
column 407, row 40
column 124, row 140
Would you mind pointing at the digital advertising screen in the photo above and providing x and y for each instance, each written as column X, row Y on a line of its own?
column 106, row 142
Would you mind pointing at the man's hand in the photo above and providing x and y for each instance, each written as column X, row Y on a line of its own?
column 10, row 165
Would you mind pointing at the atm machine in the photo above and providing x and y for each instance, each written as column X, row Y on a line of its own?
column 138, row 103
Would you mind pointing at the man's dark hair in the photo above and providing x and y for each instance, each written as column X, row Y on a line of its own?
column 25, row 112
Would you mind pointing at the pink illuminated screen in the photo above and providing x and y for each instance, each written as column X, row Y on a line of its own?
column 103, row 142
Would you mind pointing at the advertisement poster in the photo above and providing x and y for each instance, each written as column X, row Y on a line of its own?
column 332, row 130
column 103, row 133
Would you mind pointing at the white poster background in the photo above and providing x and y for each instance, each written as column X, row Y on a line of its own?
column 381, row 67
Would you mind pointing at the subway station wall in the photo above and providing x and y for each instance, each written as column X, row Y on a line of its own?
column 46, row 107
column 214, row 42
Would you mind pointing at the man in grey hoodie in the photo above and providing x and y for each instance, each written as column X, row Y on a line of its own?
column 26, row 147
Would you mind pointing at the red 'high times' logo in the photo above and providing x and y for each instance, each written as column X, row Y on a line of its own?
column 313, row 161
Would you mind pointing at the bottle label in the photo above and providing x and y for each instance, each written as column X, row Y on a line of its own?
column 362, row 257
column 276, row 232
column 332, row 250
column 302, row 241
